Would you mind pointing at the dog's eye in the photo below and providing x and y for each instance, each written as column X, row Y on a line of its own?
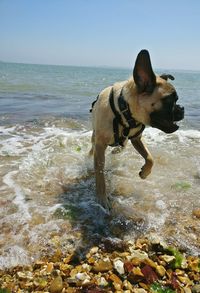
column 153, row 104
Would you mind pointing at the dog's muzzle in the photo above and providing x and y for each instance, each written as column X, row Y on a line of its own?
column 165, row 120
column 178, row 113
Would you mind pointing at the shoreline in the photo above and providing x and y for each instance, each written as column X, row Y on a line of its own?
column 113, row 266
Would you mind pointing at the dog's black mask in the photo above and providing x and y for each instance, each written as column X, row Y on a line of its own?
column 165, row 118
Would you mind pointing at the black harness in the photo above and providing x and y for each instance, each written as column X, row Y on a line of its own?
column 126, row 113
column 117, row 121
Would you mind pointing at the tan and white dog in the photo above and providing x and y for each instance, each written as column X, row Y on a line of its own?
column 121, row 111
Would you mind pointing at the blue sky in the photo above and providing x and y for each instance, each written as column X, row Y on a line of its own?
column 101, row 32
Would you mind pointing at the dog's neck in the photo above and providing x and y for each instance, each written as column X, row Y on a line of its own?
column 132, row 97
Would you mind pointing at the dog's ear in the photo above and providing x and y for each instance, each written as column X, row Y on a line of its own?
column 143, row 74
column 167, row 76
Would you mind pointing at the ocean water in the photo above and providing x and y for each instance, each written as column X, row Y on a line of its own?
column 47, row 188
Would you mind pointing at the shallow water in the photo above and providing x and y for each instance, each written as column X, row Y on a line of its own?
column 47, row 189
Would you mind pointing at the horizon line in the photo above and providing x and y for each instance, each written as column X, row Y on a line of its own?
column 97, row 66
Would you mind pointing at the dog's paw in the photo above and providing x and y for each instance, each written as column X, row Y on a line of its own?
column 146, row 169
column 144, row 173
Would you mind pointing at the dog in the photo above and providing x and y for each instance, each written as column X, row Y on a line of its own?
column 122, row 111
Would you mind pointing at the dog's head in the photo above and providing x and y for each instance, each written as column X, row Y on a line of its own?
column 157, row 98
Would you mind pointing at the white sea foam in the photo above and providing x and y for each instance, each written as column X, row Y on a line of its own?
column 19, row 199
column 13, row 147
column 7, row 130
column 52, row 209
column 154, row 135
column 186, row 135
column 13, row 256
column 57, row 146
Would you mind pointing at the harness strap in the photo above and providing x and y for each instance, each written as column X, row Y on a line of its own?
column 125, row 110
column 93, row 103
column 138, row 133
column 112, row 105
column 116, row 121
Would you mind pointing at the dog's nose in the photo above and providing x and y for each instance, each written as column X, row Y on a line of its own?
column 179, row 113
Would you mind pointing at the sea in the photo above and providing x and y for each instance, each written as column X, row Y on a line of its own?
column 47, row 185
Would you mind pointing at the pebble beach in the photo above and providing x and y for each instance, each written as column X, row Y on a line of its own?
column 113, row 266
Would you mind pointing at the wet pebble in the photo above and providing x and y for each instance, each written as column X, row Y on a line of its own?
column 196, row 289
column 167, row 258
column 196, row 213
column 161, row 270
column 56, row 285
column 40, row 283
column 82, row 276
column 119, row 266
column 139, row 290
column 102, row 266
column 101, row 281
column 25, row 275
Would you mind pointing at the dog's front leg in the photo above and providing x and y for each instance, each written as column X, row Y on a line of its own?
column 99, row 162
column 144, row 152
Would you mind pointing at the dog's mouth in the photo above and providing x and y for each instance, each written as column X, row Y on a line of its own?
column 165, row 126
column 166, row 121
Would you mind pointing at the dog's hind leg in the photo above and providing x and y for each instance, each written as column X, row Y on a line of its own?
column 99, row 162
column 144, row 152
